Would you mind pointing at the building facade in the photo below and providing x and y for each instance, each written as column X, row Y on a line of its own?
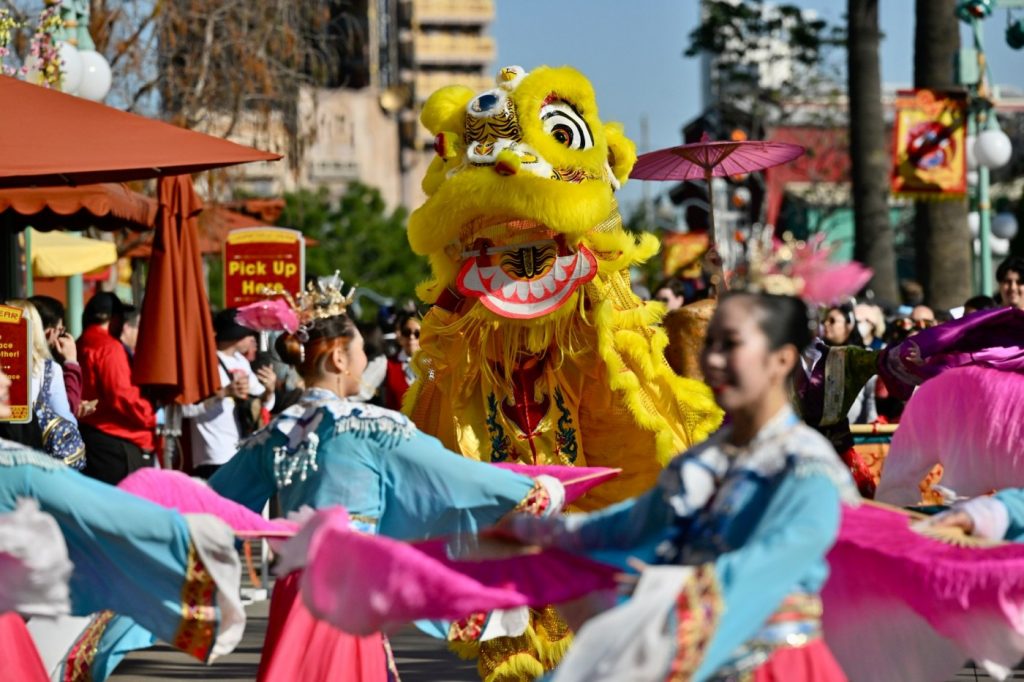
column 365, row 126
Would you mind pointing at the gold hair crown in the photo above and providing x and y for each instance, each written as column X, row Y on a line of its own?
column 323, row 298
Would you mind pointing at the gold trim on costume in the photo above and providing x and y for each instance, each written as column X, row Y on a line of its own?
column 78, row 665
column 835, row 381
column 698, row 610
column 197, row 629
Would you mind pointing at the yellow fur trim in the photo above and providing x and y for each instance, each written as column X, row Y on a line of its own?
column 570, row 208
column 522, row 658
column 445, row 108
column 621, row 151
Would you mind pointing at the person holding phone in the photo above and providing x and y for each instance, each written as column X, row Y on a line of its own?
column 217, row 424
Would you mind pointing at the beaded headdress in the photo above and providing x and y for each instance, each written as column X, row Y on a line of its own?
column 323, row 298
column 798, row 268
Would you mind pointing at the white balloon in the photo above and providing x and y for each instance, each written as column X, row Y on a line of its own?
column 972, row 158
column 993, row 148
column 96, row 76
column 1004, row 225
column 974, row 222
column 71, row 67
column 999, row 247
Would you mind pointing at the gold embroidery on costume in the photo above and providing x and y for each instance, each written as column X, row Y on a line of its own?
column 835, row 383
column 78, row 666
column 513, row 659
column 698, row 610
column 197, row 628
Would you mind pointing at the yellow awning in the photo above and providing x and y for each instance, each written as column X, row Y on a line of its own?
column 60, row 254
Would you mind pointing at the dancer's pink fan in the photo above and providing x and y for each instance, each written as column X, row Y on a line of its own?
column 366, row 583
column 577, row 480
column 175, row 490
column 274, row 315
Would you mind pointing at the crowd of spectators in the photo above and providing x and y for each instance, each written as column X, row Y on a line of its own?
column 83, row 392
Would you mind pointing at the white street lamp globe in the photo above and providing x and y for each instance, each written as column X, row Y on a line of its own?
column 1000, row 247
column 972, row 178
column 974, row 223
column 96, row 76
column 972, row 158
column 1004, row 225
column 70, row 67
column 993, row 148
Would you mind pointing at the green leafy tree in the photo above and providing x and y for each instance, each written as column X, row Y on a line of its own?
column 359, row 238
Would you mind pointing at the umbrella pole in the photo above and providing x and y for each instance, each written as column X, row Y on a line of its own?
column 717, row 273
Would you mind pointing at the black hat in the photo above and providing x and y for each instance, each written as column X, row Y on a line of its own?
column 101, row 308
column 227, row 329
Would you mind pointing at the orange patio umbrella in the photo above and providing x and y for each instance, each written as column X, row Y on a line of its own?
column 107, row 206
column 49, row 138
column 175, row 355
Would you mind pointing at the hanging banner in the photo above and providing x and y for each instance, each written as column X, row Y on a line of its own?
column 929, row 159
column 16, row 361
column 259, row 257
column 682, row 253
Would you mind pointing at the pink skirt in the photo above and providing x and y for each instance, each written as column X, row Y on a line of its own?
column 300, row 647
column 17, row 650
column 811, row 663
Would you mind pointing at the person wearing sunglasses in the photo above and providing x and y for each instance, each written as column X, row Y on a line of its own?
column 400, row 373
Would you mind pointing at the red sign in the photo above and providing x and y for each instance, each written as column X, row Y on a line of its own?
column 257, row 258
column 929, row 136
column 16, row 360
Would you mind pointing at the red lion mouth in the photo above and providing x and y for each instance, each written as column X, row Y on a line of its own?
column 526, row 280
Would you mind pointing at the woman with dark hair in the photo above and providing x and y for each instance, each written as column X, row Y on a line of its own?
column 400, row 373
column 741, row 523
column 840, row 326
column 393, row 480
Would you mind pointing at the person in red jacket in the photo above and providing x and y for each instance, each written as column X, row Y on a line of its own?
column 400, row 372
column 119, row 435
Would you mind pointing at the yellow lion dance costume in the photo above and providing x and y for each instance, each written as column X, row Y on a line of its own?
column 535, row 350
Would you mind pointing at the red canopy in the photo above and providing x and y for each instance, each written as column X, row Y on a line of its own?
column 50, row 138
column 108, row 206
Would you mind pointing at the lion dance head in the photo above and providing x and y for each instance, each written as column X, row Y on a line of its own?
column 521, row 210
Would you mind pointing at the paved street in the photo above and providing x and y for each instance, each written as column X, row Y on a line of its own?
column 420, row 659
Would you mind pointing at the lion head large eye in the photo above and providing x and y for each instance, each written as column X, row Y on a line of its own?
column 563, row 123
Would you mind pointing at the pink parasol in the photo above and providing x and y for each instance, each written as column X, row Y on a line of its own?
column 707, row 159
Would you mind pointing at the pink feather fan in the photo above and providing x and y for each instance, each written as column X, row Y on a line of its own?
column 272, row 315
column 800, row 268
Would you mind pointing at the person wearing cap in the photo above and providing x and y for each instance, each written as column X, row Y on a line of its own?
column 215, row 426
column 119, row 435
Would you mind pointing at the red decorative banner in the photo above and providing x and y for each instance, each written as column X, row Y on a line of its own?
column 16, row 360
column 929, row 160
column 259, row 257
